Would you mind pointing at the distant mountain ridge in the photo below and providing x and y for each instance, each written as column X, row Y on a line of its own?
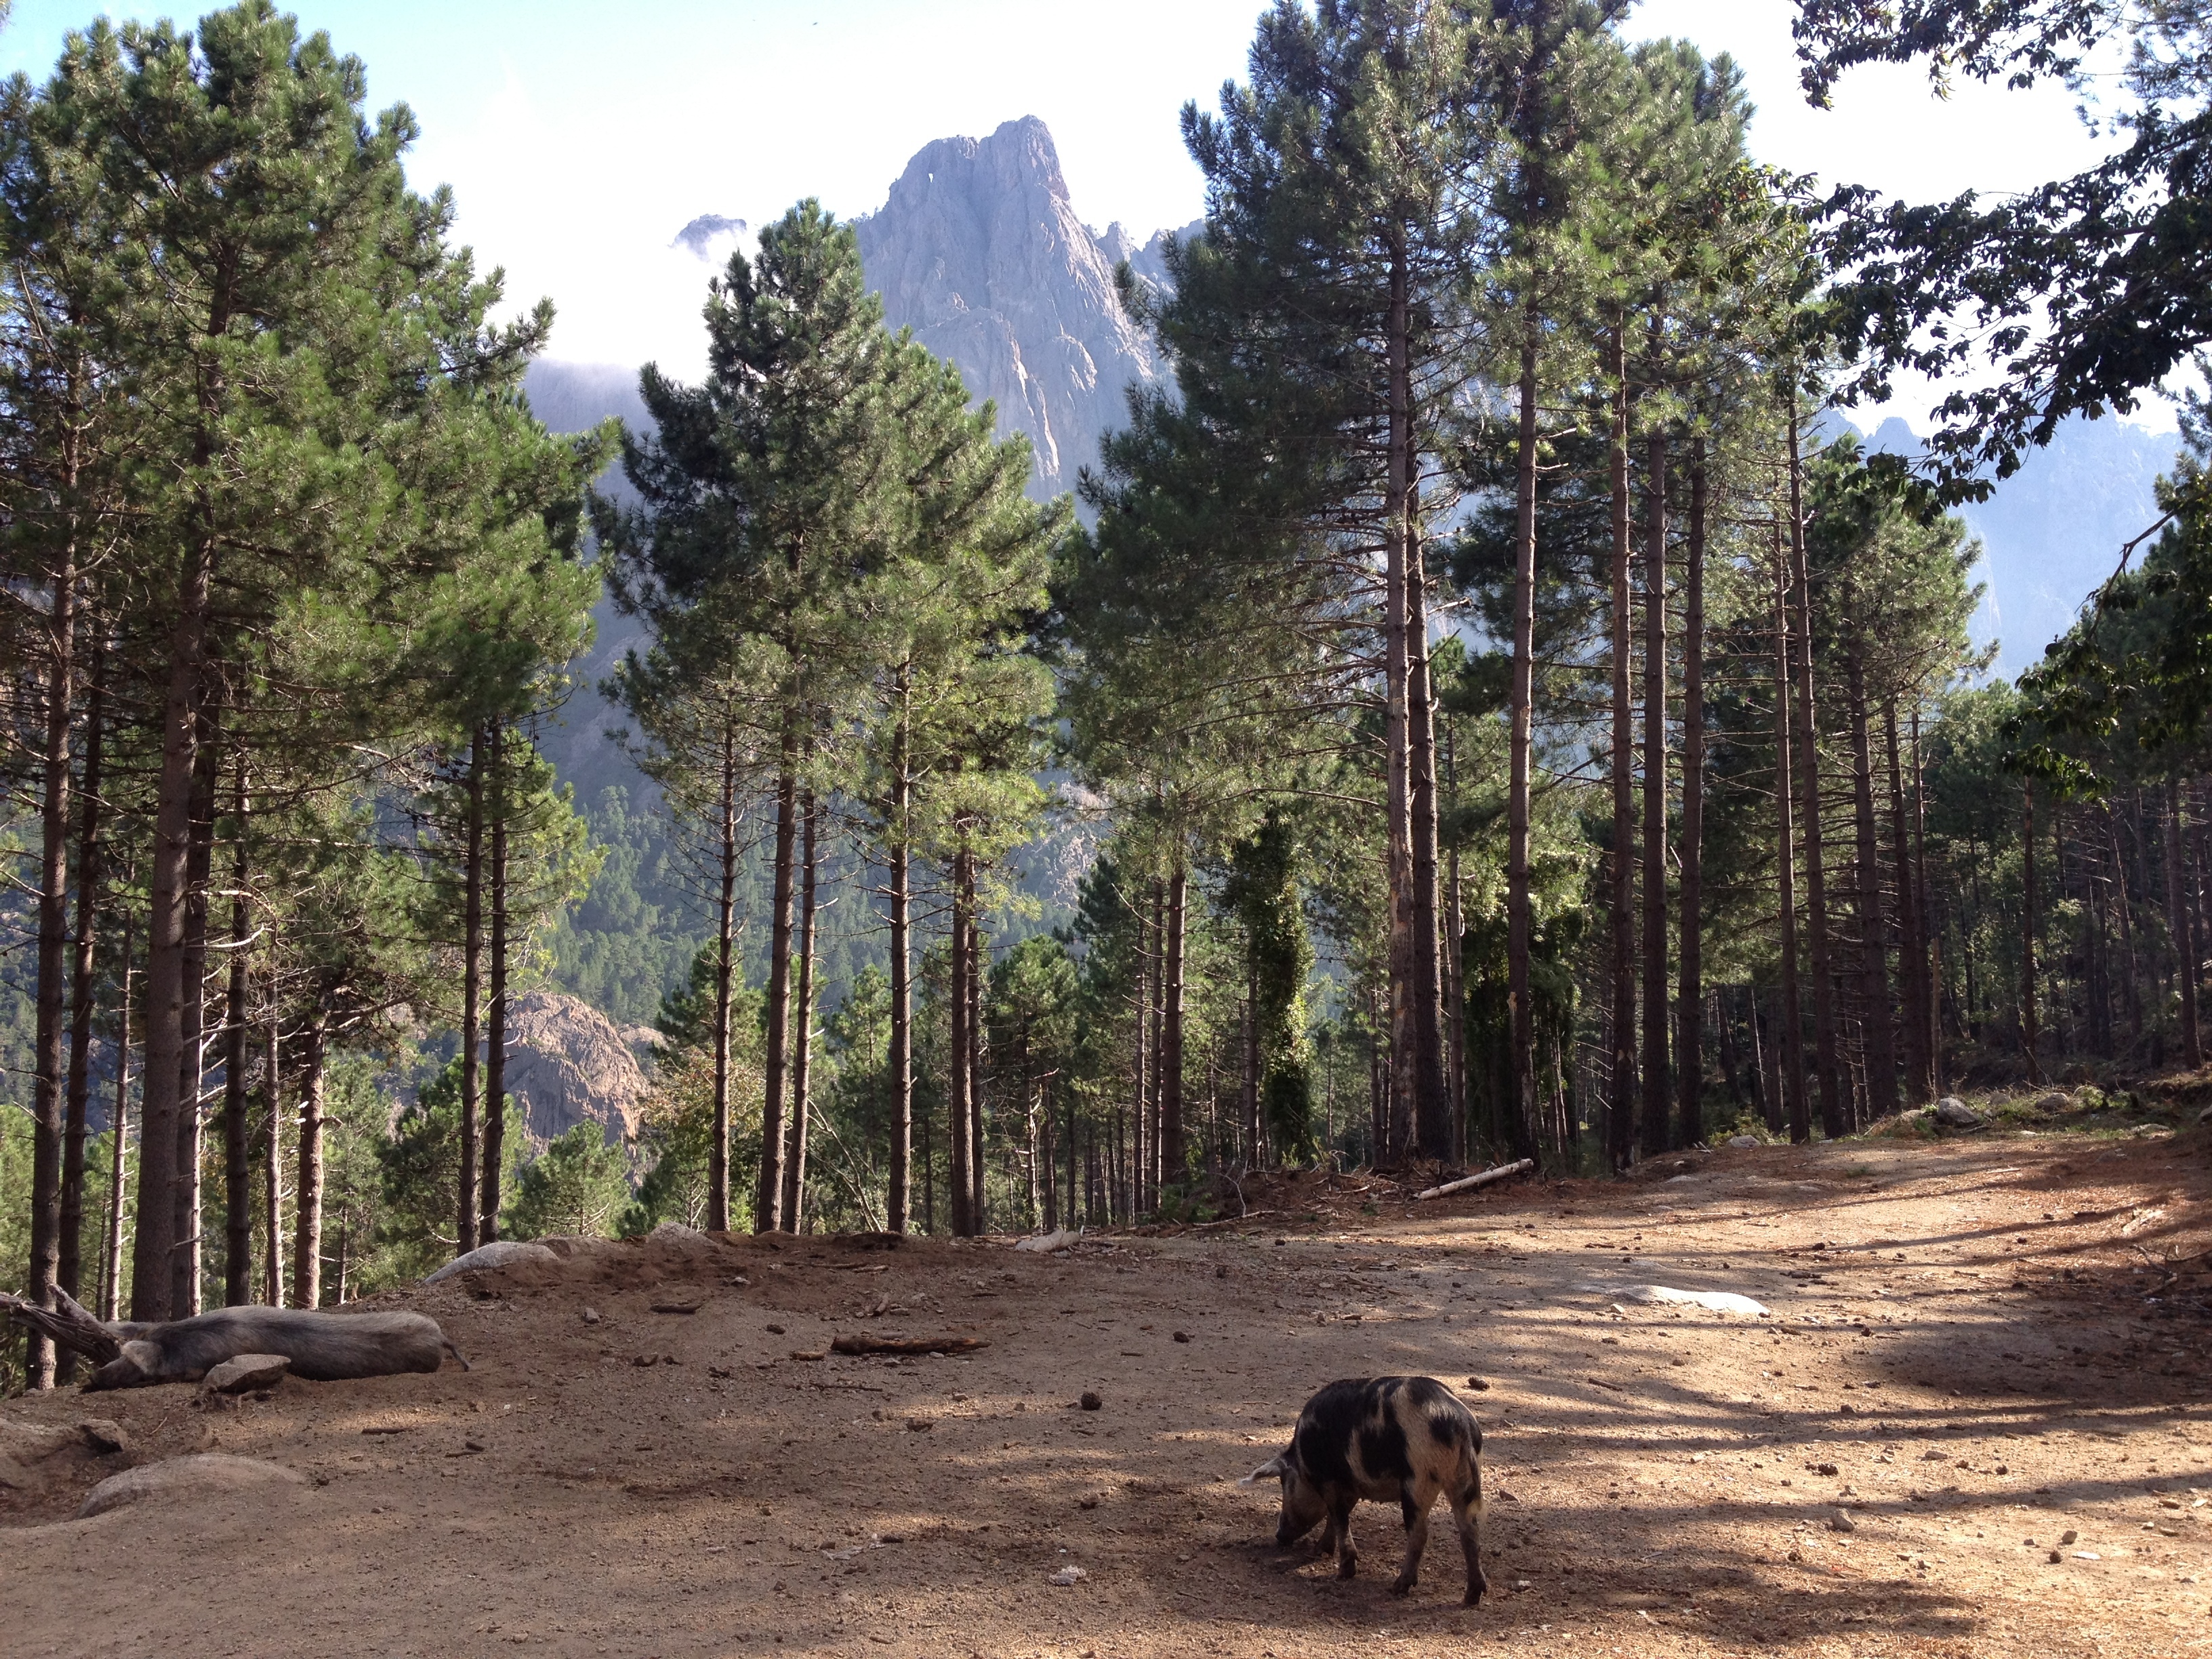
column 2052, row 532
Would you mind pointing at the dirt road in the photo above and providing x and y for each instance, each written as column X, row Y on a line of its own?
column 1976, row 1354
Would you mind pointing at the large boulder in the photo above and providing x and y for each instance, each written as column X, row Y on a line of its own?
column 1953, row 1113
column 242, row 1373
column 567, row 1063
column 500, row 1252
column 185, row 1477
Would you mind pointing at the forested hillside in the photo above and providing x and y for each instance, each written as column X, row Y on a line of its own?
column 1410, row 670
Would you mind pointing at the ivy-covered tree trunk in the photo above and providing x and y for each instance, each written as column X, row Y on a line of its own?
column 1690, row 988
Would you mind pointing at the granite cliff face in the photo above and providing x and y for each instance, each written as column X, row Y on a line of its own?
column 567, row 1063
column 979, row 251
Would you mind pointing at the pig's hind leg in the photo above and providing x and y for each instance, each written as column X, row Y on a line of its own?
column 1415, row 1503
column 1467, row 1510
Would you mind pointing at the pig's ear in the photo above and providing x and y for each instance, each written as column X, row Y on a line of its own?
column 1274, row 1469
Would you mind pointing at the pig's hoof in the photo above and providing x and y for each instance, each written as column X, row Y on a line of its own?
column 1474, row 1596
column 1347, row 1567
column 1401, row 1587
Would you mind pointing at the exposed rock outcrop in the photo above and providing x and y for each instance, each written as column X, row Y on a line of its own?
column 979, row 251
column 567, row 1064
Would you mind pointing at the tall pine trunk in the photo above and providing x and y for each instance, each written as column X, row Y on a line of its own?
column 1171, row 1028
column 1690, row 991
column 1911, row 935
column 794, row 1161
column 184, row 1260
column 472, row 990
column 959, row 1105
column 978, row 1205
column 237, row 1161
column 1620, row 1120
column 84, row 997
column 1520, row 1112
column 2029, row 1035
column 1809, row 769
column 768, row 1193
column 1397, row 648
column 168, row 873
column 899, row 1200
column 1657, row 1107
column 726, row 894
column 1874, row 960
column 307, row 1222
column 495, row 1101
column 273, row 1181
column 1792, row 1048
column 52, row 969
column 118, row 1129
column 2178, row 922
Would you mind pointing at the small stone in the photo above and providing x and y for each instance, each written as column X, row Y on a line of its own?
column 1067, row 1576
column 775, row 1330
column 246, row 1372
column 590, row 1315
column 103, row 1435
column 1480, row 1384
column 1840, row 1521
column 2068, row 1536
column 1743, row 1140
column 2055, row 1557
column 921, row 1424
column 1090, row 1401
column 1182, row 1336
column 1824, row 1468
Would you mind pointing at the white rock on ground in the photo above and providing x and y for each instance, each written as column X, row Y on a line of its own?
column 500, row 1253
column 1953, row 1113
column 243, row 1371
column 1712, row 1301
column 180, row 1477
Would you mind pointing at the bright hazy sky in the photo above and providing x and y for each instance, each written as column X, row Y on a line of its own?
column 579, row 138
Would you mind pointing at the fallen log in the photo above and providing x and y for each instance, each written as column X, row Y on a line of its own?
column 1467, row 1183
column 907, row 1344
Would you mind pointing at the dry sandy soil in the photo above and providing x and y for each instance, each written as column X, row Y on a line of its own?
column 1980, row 1351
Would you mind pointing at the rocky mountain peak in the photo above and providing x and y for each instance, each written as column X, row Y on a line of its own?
column 979, row 250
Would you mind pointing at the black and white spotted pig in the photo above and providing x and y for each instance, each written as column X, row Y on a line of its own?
column 1400, row 1440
